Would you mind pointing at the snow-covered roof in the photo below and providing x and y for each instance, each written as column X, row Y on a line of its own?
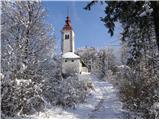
column 70, row 55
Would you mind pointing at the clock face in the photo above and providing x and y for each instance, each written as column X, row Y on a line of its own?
column 66, row 36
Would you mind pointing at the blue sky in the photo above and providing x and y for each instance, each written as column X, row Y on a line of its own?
column 89, row 30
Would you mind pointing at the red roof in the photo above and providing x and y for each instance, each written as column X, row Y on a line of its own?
column 67, row 25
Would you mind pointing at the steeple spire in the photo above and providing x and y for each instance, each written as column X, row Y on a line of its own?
column 67, row 25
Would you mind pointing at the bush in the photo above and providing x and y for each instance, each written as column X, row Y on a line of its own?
column 67, row 92
column 139, row 92
column 34, row 104
column 17, row 95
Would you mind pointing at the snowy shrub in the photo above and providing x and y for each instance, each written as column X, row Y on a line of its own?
column 52, row 74
column 154, row 111
column 50, row 91
column 17, row 95
column 138, row 92
column 61, row 91
column 124, row 75
column 9, row 100
column 34, row 104
column 66, row 92
column 71, row 91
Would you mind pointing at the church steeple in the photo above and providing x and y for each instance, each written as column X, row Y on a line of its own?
column 67, row 37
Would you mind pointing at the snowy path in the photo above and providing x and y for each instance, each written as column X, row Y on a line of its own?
column 102, row 103
column 110, row 105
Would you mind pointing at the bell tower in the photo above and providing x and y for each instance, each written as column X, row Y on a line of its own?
column 67, row 37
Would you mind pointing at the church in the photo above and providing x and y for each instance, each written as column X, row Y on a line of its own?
column 71, row 63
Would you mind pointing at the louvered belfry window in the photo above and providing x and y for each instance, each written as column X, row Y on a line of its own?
column 66, row 36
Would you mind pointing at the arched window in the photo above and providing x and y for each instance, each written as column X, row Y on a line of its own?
column 66, row 36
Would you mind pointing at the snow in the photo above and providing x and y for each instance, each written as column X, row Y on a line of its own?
column 148, row 10
column 102, row 102
column 143, row 14
column 70, row 55
column 1, row 76
column 19, row 81
column 124, row 66
column 23, row 67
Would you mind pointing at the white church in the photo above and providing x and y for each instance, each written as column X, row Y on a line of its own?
column 71, row 63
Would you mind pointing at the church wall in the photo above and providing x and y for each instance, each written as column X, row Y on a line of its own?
column 65, row 43
column 72, row 40
column 66, row 48
column 84, row 69
column 71, row 67
column 68, row 44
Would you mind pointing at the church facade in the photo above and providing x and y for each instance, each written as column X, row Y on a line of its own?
column 71, row 63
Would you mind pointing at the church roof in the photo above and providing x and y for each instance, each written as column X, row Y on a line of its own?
column 67, row 25
column 70, row 55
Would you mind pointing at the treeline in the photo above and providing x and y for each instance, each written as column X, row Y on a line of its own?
column 99, row 61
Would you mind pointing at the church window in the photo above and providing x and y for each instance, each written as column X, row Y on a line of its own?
column 66, row 36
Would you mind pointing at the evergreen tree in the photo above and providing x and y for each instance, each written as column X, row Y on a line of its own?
column 129, row 13
column 139, row 20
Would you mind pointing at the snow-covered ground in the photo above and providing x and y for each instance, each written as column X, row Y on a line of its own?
column 101, row 103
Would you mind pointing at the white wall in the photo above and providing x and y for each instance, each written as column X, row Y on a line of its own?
column 69, row 66
column 68, row 44
column 84, row 69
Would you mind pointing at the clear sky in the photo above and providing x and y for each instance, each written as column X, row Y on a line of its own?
column 89, row 30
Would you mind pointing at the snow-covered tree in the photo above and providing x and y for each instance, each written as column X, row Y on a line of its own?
column 105, row 62
column 143, row 59
column 27, row 41
column 98, row 61
column 140, row 41
column 88, row 56
column 31, row 72
column 25, row 36
column 128, row 13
